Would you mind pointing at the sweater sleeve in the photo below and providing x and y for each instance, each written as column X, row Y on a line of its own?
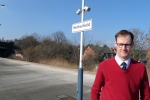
column 144, row 88
column 98, row 84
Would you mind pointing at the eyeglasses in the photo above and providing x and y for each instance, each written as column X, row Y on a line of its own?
column 120, row 45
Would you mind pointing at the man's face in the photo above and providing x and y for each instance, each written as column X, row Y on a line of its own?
column 124, row 46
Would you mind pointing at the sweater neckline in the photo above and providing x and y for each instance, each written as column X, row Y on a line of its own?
column 124, row 71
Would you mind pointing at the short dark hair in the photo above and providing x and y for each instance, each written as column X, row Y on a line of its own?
column 125, row 32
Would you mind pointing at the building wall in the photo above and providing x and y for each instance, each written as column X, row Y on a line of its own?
column 88, row 52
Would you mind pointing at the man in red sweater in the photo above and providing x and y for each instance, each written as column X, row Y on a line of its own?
column 121, row 77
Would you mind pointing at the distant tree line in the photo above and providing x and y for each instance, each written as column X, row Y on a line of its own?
column 35, row 48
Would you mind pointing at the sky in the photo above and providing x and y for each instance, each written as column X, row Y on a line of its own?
column 25, row 17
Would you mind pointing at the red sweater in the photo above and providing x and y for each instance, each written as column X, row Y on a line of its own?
column 113, row 83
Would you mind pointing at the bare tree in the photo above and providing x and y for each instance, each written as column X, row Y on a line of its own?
column 148, row 38
column 29, row 40
column 140, row 44
column 48, row 48
column 87, row 39
column 75, row 40
column 59, row 37
column 99, row 43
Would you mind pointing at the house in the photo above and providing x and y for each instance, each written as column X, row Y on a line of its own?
column 8, row 49
column 107, row 53
column 88, row 52
column 103, row 53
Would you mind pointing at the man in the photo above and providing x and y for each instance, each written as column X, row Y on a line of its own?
column 121, row 77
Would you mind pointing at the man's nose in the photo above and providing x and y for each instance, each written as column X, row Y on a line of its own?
column 124, row 47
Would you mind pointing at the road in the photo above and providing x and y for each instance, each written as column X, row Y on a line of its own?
column 21, row 80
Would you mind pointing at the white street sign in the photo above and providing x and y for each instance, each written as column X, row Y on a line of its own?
column 82, row 26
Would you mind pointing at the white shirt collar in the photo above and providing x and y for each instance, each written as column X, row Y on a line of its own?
column 119, row 61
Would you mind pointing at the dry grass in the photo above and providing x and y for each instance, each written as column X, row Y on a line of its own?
column 59, row 63
column 66, row 64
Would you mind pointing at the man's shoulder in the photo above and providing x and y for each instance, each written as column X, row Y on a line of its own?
column 134, row 62
column 106, row 64
column 108, row 61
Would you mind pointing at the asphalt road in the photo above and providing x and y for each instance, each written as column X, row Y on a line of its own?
column 29, row 81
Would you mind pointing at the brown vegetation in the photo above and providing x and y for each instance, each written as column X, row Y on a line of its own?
column 148, row 62
column 57, row 50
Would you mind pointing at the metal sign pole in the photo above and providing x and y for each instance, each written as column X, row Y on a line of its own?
column 80, row 70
